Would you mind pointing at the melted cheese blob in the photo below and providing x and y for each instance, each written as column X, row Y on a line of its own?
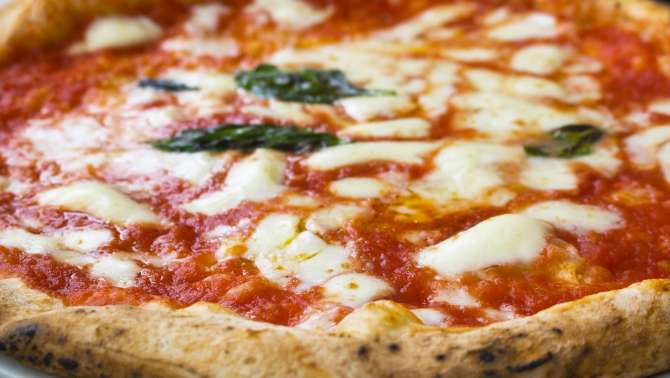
column 504, row 239
column 115, row 32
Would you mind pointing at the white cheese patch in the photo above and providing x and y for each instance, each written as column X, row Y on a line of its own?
column 292, row 14
column 279, row 110
column 660, row 106
column 502, row 115
column 358, row 187
column 664, row 160
column 531, row 26
column 442, row 80
column 219, row 47
column 116, row 32
column 581, row 89
column 473, row 54
column 28, row 242
column 205, row 18
column 504, row 239
column 217, row 83
column 524, row 86
column 84, row 240
column 332, row 218
column 366, row 108
column 100, row 200
column 281, row 253
column 195, row 168
column 457, row 297
column 255, row 178
column 549, row 174
column 119, row 272
column 603, row 159
column 396, row 128
column 273, row 232
column 541, row 59
column 642, row 147
column 356, row 289
column 575, row 217
column 431, row 18
column 467, row 170
column 357, row 153
column 429, row 316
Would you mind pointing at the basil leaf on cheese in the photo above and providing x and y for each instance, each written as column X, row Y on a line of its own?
column 312, row 86
column 566, row 142
column 165, row 85
column 247, row 137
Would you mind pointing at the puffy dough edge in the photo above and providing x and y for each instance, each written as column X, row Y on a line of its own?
column 616, row 333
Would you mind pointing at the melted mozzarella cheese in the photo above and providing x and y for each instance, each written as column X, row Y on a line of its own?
column 502, row 115
column 504, row 239
column 457, row 297
column 442, row 80
column 660, row 106
column 281, row 253
column 642, row 147
column 119, row 272
column 429, row 316
column 397, row 128
column 524, row 86
column 549, row 174
column 332, row 218
column 575, row 217
column 256, row 178
column 219, row 47
column 467, row 170
column 664, row 160
column 84, row 240
column 115, row 32
column 101, row 200
column 604, row 159
column 366, row 108
column 208, row 81
column 541, row 59
column 426, row 20
column 357, row 153
column 358, row 187
column 474, row 54
column 292, row 14
column 531, row 26
column 192, row 167
column 356, row 289
column 205, row 18
column 28, row 242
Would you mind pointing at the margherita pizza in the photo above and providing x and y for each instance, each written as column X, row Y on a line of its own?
column 321, row 188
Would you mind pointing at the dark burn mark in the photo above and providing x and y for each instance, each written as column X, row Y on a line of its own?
column 531, row 365
column 46, row 360
column 486, row 356
column 363, row 351
column 394, row 347
column 68, row 364
column 440, row 357
column 557, row 331
column 490, row 373
column 28, row 331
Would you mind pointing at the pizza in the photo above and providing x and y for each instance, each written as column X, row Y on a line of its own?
column 317, row 188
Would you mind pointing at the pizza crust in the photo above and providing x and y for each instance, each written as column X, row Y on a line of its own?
column 617, row 333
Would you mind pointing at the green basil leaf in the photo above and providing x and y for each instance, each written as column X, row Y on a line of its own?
column 566, row 142
column 165, row 85
column 312, row 86
column 246, row 138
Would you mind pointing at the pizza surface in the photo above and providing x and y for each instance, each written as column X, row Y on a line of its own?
column 401, row 188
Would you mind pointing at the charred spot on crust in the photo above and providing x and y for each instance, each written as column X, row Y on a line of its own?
column 557, row 331
column 363, row 351
column 531, row 365
column 46, row 360
column 490, row 373
column 22, row 335
column 68, row 364
column 394, row 347
column 28, row 331
column 486, row 356
column 440, row 357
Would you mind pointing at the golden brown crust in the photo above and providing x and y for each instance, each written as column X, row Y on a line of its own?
column 618, row 333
